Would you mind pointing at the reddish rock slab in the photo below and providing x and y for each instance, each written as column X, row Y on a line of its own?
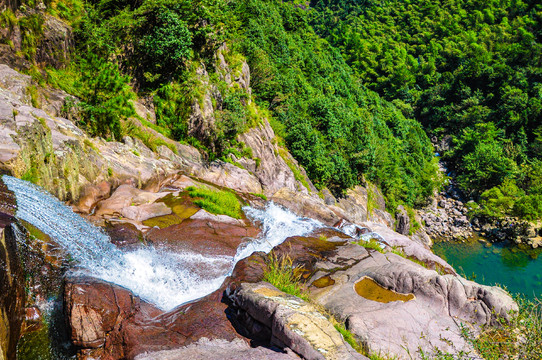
column 109, row 322
column 250, row 269
column 124, row 235
column 203, row 237
column 91, row 194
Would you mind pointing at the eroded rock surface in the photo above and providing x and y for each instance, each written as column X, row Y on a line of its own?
column 205, row 349
column 272, row 171
column 202, row 236
column 291, row 322
column 429, row 321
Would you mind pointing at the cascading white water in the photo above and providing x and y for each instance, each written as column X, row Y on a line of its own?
column 164, row 278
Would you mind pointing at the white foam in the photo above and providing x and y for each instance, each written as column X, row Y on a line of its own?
column 161, row 277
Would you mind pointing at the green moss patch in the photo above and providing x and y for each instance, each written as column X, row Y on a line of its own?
column 219, row 202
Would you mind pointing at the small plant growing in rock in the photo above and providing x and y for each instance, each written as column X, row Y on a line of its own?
column 282, row 274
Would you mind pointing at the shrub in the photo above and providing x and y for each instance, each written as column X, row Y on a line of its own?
column 165, row 41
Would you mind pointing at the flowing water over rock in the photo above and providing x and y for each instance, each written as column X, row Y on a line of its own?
column 159, row 276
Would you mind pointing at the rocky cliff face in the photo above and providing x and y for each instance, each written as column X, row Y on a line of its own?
column 12, row 279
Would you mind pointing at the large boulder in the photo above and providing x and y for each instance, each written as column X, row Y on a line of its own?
column 305, row 205
column 291, row 322
column 391, row 304
column 203, row 236
column 227, row 175
column 109, row 322
column 272, row 171
column 427, row 320
column 127, row 199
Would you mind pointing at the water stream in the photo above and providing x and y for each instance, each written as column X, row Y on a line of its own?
column 161, row 277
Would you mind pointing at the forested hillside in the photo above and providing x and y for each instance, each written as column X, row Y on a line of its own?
column 349, row 86
column 342, row 133
column 468, row 68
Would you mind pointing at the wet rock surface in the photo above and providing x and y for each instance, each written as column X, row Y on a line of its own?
column 203, row 237
column 109, row 322
column 124, row 235
column 12, row 296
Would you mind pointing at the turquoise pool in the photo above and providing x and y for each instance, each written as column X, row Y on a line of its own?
column 517, row 268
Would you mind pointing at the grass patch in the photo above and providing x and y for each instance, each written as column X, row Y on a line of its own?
column 159, row 129
column 371, row 199
column 219, row 202
column 414, row 224
column 348, row 336
column 148, row 138
column 31, row 33
column 261, row 196
column 395, row 250
column 371, row 244
column 34, row 97
column 234, row 163
column 8, row 19
column 64, row 79
column 31, row 175
column 522, row 335
column 89, row 144
column 284, row 276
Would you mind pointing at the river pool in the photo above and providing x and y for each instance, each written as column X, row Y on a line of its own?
column 516, row 268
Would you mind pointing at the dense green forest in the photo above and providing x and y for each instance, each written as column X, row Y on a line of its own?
column 341, row 132
column 350, row 87
column 471, row 69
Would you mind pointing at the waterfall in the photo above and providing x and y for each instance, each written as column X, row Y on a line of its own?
column 161, row 277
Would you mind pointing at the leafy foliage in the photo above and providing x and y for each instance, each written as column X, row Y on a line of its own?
column 281, row 273
column 467, row 68
column 166, row 42
column 105, row 97
column 342, row 133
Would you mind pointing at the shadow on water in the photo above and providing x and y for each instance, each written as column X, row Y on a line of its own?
column 517, row 268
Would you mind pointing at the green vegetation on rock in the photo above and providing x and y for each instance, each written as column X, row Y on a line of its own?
column 220, row 202
column 281, row 273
